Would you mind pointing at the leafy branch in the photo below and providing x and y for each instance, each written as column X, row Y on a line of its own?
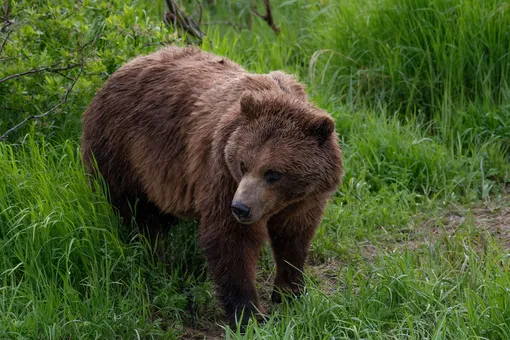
column 47, row 113
column 55, row 68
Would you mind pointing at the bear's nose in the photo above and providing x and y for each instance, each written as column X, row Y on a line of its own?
column 240, row 209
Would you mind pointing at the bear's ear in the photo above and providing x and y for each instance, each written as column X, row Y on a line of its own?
column 321, row 127
column 250, row 104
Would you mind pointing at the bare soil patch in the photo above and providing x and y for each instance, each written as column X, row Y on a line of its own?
column 492, row 217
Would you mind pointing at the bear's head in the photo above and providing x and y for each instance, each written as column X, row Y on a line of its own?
column 284, row 150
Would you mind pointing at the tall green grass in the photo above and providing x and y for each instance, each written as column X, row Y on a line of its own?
column 66, row 270
column 446, row 291
column 418, row 56
column 443, row 63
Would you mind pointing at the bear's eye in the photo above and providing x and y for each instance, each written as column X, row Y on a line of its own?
column 272, row 176
column 242, row 166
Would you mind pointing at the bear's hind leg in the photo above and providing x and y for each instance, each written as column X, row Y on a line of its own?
column 154, row 225
column 150, row 220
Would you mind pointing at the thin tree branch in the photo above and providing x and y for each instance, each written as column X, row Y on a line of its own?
column 52, row 68
column 5, row 40
column 64, row 75
column 47, row 113
column 268, row 17
column 6, row 23
column 90, row 42
column 176, row 17
column 7, row 11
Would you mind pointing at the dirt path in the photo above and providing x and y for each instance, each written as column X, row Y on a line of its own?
column 489, row 216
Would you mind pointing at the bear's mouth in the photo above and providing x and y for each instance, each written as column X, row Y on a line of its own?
column 243, row 220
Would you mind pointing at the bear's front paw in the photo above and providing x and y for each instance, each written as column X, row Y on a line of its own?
column 279, row 293
column 241, row 319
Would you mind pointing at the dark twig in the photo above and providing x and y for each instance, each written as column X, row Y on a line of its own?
column 7, row 12
column 63, row 75
column 47, row 113
column 176, row 17
column 90, row 42
column 6, row 22
column 5, row 40
column 52, row 68
column 268, row 17
column 172, row 8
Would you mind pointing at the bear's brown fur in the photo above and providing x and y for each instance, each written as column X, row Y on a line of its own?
column 189, row 134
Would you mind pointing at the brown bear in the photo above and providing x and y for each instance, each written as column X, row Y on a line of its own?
column 192, row 135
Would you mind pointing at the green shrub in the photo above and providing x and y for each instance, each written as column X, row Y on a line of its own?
column 68, row 39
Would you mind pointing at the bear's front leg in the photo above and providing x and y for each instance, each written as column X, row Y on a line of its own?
column 232, row 251
column 291, row 232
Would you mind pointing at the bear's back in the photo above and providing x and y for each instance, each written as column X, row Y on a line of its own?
column 137, row 126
